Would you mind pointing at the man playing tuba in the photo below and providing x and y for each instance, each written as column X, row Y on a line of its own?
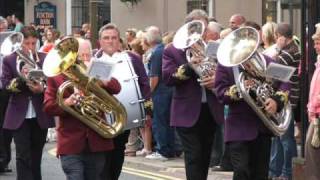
column 246, row 137
column 195, row 109
column 82, row 151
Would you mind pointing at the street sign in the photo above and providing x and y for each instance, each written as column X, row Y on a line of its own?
column 45, row 15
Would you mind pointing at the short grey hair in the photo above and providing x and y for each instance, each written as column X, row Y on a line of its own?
column 3, row 20
column 83, row 41
column 214, row 27
column 195, row 14
column 109, row 26
column 153, row 34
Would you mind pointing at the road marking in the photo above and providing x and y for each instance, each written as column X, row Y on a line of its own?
column 142, row 175
column 153, row 175
column 53, row 151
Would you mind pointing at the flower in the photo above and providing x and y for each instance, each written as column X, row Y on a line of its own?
column 133, row 2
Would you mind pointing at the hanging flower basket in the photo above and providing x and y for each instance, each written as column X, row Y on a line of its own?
column 132, row 2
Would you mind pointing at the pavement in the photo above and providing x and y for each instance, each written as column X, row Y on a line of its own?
column 172, row 166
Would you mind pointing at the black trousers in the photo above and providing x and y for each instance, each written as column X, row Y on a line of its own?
column 250, row 159
column 5, row 135
column 115, row 158
column 29, row 140
column 197, row 144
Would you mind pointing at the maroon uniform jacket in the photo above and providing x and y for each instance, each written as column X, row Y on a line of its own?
column 73, row 135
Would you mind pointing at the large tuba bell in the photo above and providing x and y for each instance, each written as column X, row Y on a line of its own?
column 94, row 103
column 240, row 48
column 189, row 37
column 13, row 43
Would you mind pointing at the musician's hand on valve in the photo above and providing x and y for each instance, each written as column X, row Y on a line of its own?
column 24, row 71
column 71, row 100
column 195, row 60
column 35, row 87
column 271, row 106
column 207, row 82
column 105, row 82
column 248, row 83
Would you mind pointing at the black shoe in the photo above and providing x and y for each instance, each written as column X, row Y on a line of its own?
column 5, row 170
column 220, row 168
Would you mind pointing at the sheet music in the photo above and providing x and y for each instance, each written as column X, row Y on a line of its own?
column 211, row 49
column 280, row 72
column 100, row 69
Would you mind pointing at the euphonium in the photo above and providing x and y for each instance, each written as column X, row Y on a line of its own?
column 13, row 44
column 189, row 37
column 94, row 103
column 240, row 48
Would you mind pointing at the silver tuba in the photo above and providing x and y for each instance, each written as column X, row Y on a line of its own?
column 189, row 37
column 13, row 43
column 240, row 48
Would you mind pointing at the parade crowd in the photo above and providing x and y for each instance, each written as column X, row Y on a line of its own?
column 204, row 120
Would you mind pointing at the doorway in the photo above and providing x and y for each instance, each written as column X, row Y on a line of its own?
column 11, row 7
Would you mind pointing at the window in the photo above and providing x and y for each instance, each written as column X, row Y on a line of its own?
column 80, row 13
column 197, row 4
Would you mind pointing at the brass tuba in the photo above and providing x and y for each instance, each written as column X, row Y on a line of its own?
column 95, row 103
column 240, row 48
column 189, row 37
column 13, row 43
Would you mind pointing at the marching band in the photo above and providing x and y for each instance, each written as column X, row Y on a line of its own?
column 102, row 97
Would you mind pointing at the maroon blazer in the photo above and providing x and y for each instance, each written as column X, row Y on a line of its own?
column 186, row 100
column 18, row 102
column 73, row 135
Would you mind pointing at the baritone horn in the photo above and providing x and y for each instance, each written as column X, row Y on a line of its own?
column 94, row 103
column 13, row 43
column 240, row 48
column 189, row 37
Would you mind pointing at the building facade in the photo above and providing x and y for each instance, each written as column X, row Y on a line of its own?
column 167, row 14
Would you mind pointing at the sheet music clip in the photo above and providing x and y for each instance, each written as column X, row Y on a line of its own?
column 280, row 72
column 211, row 49
column 100, row 69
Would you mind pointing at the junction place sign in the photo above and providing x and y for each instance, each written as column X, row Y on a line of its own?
column 45, row 15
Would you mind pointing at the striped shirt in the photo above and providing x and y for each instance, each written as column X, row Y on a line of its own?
column 290, row 55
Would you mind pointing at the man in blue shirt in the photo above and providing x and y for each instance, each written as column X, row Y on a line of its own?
column 161, row 97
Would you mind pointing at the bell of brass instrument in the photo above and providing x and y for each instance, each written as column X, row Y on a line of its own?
column 12, row 44
column 95, row 102
column 189, row 37
column 240, row 48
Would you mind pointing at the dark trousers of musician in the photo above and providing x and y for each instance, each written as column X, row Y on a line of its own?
column 112, row 169
column 84, row 166
column 250, row 159
column 197, row 144
column 5, row 135
column 29, row 140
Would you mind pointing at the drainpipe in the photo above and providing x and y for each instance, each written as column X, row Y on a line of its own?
column 279, row 11
column 68, row 17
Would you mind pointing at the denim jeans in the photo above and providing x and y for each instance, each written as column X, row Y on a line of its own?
column 84, row 166
column 162, row 132
column 283, row 149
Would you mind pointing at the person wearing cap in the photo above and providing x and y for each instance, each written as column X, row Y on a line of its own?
column 312, row 150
